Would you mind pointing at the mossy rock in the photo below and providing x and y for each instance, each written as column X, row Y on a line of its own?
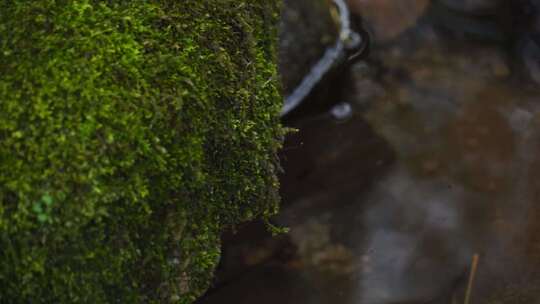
column 132, row 133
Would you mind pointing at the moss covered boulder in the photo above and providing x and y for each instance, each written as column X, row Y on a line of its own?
column 131, row 134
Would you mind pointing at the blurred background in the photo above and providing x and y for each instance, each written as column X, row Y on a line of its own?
column 407, row 161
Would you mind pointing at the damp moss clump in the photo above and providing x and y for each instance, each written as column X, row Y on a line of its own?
column 131, row 134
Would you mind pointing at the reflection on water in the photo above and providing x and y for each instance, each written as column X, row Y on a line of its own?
column 389, row 205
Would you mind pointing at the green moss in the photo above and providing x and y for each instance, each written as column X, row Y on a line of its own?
column 132, row 133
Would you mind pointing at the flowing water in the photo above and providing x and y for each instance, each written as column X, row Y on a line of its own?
column 431, row 157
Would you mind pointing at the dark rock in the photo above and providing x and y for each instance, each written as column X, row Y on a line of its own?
column 529, row 44
column 511, row 24
column 488, row 25
column 306, row 30
column 318, row 40
column 388, row 18
column 473, row 6
column 530, row 50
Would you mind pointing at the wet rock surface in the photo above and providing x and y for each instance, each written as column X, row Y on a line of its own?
column 437, row 159
column 473, row 6
column 319, row 40
column 386, row 19
column 307, row 28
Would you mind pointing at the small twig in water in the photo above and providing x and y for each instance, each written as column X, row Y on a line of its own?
column 474, row 267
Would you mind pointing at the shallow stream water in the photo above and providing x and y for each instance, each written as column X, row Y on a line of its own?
column 434, row 158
